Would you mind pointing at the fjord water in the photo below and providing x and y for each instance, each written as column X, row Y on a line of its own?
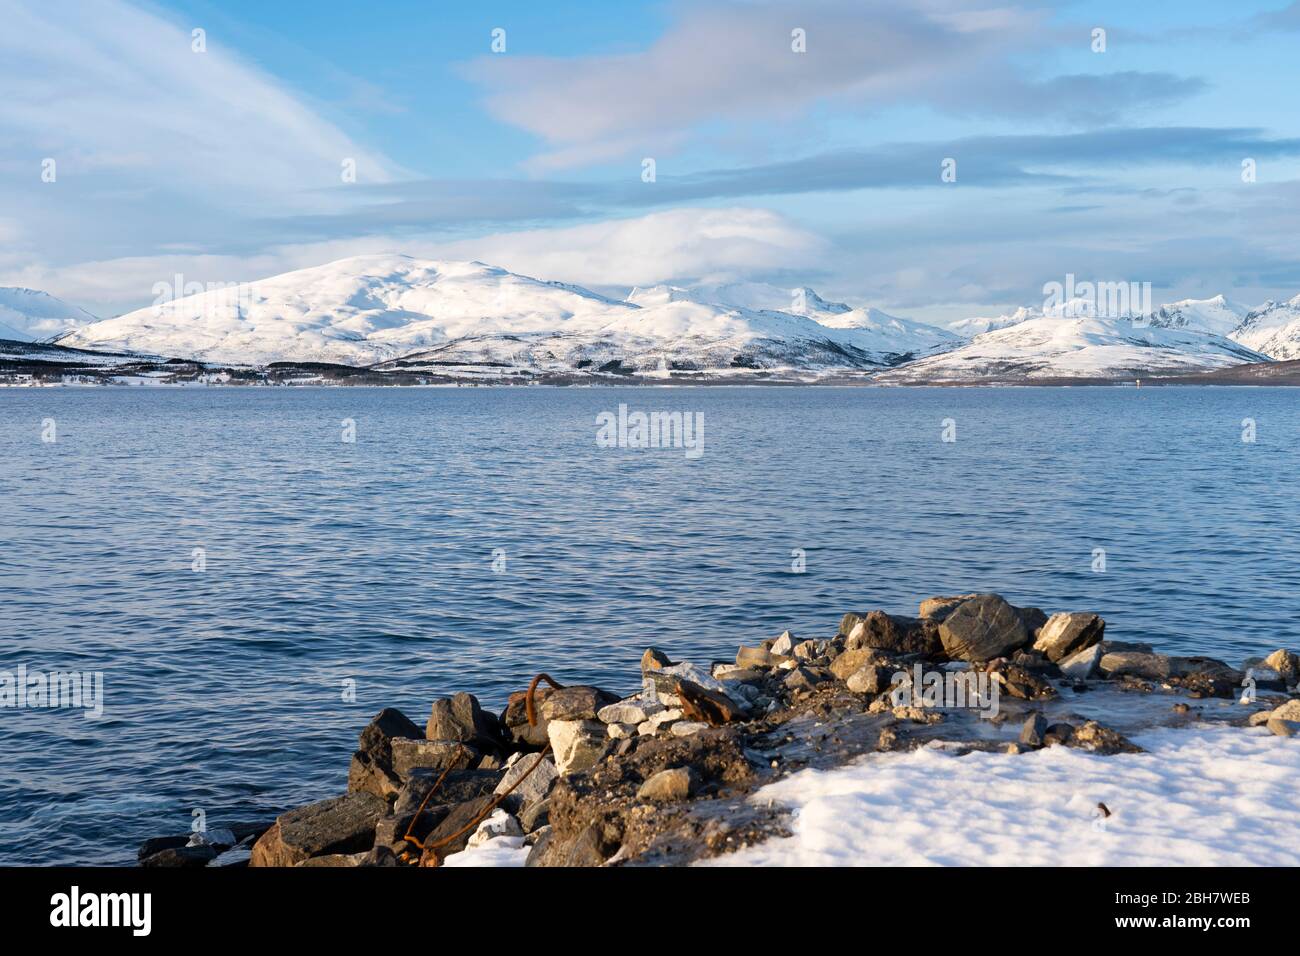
column 373, row 562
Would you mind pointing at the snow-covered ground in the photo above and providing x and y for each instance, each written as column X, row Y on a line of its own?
column 1207, row 796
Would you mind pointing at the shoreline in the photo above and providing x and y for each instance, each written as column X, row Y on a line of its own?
column 575, row 776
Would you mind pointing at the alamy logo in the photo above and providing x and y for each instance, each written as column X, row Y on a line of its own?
column 953, row 689
column 651, row 430
column 75, row 908
column 1107, row 300
column 81, row 689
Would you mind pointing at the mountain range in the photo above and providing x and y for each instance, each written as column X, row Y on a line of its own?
column 468, row 320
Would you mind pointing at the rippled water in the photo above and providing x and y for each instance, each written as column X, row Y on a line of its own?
column 373, row 562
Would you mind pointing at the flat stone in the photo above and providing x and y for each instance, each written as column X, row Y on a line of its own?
column 668, row 786
column 1083, row 664
column 576, row 703
column 339, row 825
column 686, row 728
column 537, row 783
column 577, row 744
column 631, row 711
column 1068, row 633
column 983, row 628
column 412, row 755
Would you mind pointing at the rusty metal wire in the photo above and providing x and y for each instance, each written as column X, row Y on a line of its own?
column 430, row 850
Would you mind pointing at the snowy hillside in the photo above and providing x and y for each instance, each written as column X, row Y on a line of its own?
column 1273, row 328
column 1216, row 315
column 1077, row 348
column 30, row 316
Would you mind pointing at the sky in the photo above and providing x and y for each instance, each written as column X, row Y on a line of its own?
column 795, row 143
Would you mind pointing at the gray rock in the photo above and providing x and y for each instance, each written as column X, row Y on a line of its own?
column 755, row 657
column 1066, row 634
column 668, row 786
column 577, row 744
column 657, row 720
column 457, row 787
column 1081, row 665
column 688, row 728
column 460, row 718
column 784, row 645
column 576, row 703
column 376, row 740
column 412, row 755
column 365, row 775
column 535, row 816
column 340, row 825
column 1034, row 730
column 633, row 710
column 537, row 782
column 896, row 634
column 458, row 817
column 181, row 857
column 870, row 679
column 983, row 628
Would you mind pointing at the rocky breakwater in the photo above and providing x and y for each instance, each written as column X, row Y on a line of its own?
column 576, row 776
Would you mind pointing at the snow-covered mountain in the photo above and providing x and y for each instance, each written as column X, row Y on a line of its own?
column 27, row 315
column 374, row 309
column 1216, row 315
column 978, row 325
column 1273, row 328
column 1050, row 347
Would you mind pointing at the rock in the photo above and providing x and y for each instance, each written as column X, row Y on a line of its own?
column 654, row 659
column 457, row 787
column 784, row 645
column 537, row 782
column 377, row 738
column 391, row 830
column 1137, row 664
column 157, row 844
column 339, row 825
column 1034, row 619
column 219, row 837
column 1097, row 739
column 576, row 703
column 1034, row 730
column 458, row 817
column 734, row 674
column 685, row 728
column 1282, row 728
column 1018, row 682
column 1285, row 663
column 870, row 679
column 365, row 775
column 800, row 679
column 180, row 857
column 634, row 710
column 621, row 731
column 498, row 824
column 1288, row 711
column 535, row 816
column 810, row 650
column 515, row 719
column 412, row 755
column 577, row 744
column 850, row 662
column 1066, row 634
column 757, row 657
column 899, row 635
column 666, row 680
column 937, row 608
column 460, row 718
column 652, row 725
column 1059, row 733
column 982, row 628
column 1083, row 664
column 668, row 786
column 1259, row 718
column 705, row 704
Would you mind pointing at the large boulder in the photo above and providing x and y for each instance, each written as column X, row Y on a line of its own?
column 576, row 703
column 377, row 739
column 899, row 635
column 937, row 608
column 339, row 825
column 1068, row 633
column 1285, row 663
column 460, row 718
column 983, row 628
column 412, row 755
column 1285, row 720
column 1082, row 664
column 1138, row 664
column 515, row 719
column 367, row 775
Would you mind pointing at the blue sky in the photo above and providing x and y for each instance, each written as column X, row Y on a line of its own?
column 820, row 167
